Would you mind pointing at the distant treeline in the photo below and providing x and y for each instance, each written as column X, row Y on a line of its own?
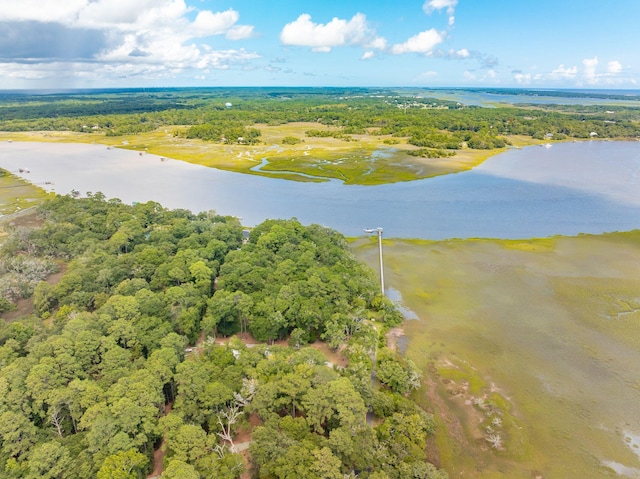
column 426, row 122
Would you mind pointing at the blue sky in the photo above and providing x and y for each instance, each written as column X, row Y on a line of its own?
column 428, row 43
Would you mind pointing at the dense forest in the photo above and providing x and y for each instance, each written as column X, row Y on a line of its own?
column 131, row 351
column 227, row 115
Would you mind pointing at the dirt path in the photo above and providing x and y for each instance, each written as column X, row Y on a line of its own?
column 160, row 452
column 158, row 458
column 393, row 337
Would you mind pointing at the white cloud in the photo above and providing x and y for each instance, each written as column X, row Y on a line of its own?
column 379, row 43
column 40, row 10
column 209, row 23
column 142, row 37
column 338, row 32
column 462, row 53
column 239, row 32
column 610, row 77
column 522, row 78
column 27, row 71
column 162, row 68
column 367, row 55
column 587, row 75
column 589, row 71
column 423, row 42
column 125, row 15
column 469, row 75
column 614, row 67
column 561, row 73
column 432, row 5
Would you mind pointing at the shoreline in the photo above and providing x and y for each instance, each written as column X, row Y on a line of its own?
column 244, row 157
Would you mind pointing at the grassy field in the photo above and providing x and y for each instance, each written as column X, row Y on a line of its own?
column 367, row 160
column 534, row 342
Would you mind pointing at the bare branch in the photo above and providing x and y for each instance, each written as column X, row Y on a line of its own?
column 56, row 420
column 226, row 419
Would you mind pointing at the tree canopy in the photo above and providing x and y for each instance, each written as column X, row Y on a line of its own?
column 106, row 367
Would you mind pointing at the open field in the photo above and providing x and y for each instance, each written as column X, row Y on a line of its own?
column 536, row 343
column 366, row 160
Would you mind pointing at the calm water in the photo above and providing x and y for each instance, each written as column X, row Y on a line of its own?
column 489, row 98
column 569, row 188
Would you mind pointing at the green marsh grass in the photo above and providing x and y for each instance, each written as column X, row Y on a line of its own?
column 544, row 330
column 367, row 160
column 17, row 195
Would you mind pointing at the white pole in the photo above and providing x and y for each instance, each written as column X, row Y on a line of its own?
column 379, row 231
column 381, row 265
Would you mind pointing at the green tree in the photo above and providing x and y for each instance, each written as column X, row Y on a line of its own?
column 202, row 275
column 334, row 404
column 18, row 435
column 227, row 312
column 188, row 444
column 192, row 378
column 222, row 465
column 128, row 464
column 180, row 470
column 50, row 460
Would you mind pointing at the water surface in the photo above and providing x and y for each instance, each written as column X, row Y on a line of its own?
column 570, row 188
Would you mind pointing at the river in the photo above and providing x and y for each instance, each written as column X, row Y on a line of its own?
column 564, row 189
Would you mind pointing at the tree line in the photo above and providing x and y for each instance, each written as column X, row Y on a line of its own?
column 426, row 122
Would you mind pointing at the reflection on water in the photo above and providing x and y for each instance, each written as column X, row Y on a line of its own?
column 623, row 470
column 395, row 296
column 633, row 441
column 491, row 201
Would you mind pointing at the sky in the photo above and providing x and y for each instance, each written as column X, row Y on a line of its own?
column 376, row 43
